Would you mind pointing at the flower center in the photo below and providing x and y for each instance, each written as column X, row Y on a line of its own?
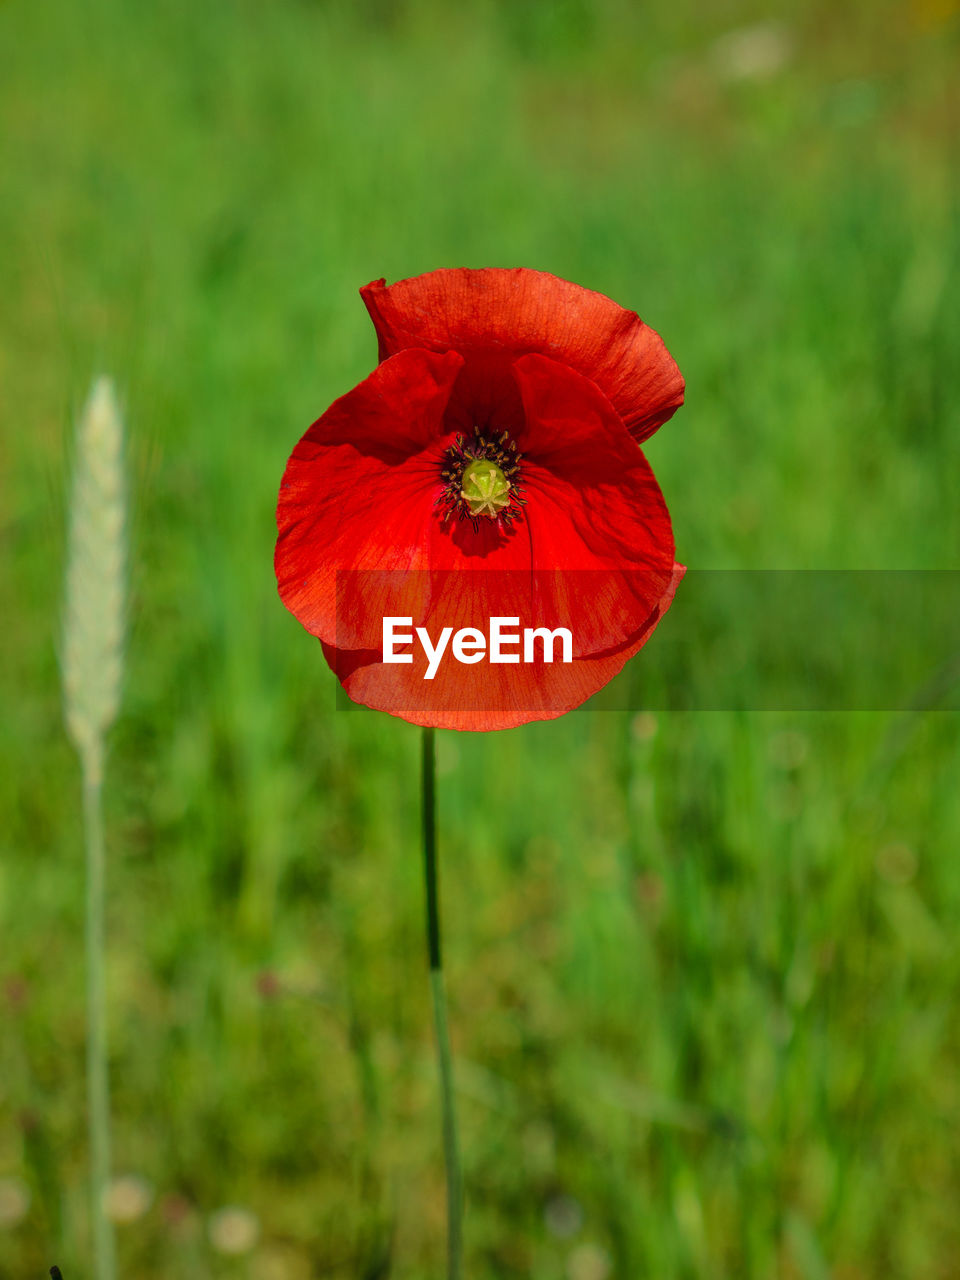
column 481, row 479
column 484, row 488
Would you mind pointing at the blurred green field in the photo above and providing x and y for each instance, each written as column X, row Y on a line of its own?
column 703, row 968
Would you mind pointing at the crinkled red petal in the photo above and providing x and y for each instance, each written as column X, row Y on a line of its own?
column 486, row 697
column 358, row 490
column 493, row 315
column 593, row 504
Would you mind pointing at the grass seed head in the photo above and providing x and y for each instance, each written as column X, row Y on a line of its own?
column 96, row 572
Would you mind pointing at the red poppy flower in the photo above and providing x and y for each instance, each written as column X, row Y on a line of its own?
column 488, row 469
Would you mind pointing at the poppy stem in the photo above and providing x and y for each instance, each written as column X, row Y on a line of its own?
column 444, row 1057
column 98, row 1098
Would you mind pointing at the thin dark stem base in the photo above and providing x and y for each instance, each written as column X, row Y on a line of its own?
column 444, row 1057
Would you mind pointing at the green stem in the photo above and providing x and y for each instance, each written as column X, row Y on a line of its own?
column 98, row 1097
column 444, row 1057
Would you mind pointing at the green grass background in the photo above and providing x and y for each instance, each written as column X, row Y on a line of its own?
column 702, row 967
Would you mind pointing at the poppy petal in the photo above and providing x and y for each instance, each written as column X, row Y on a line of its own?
column 493, row 315
column 594, row 547
column 593, row 504
column 359, row 487
column 486, row 697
